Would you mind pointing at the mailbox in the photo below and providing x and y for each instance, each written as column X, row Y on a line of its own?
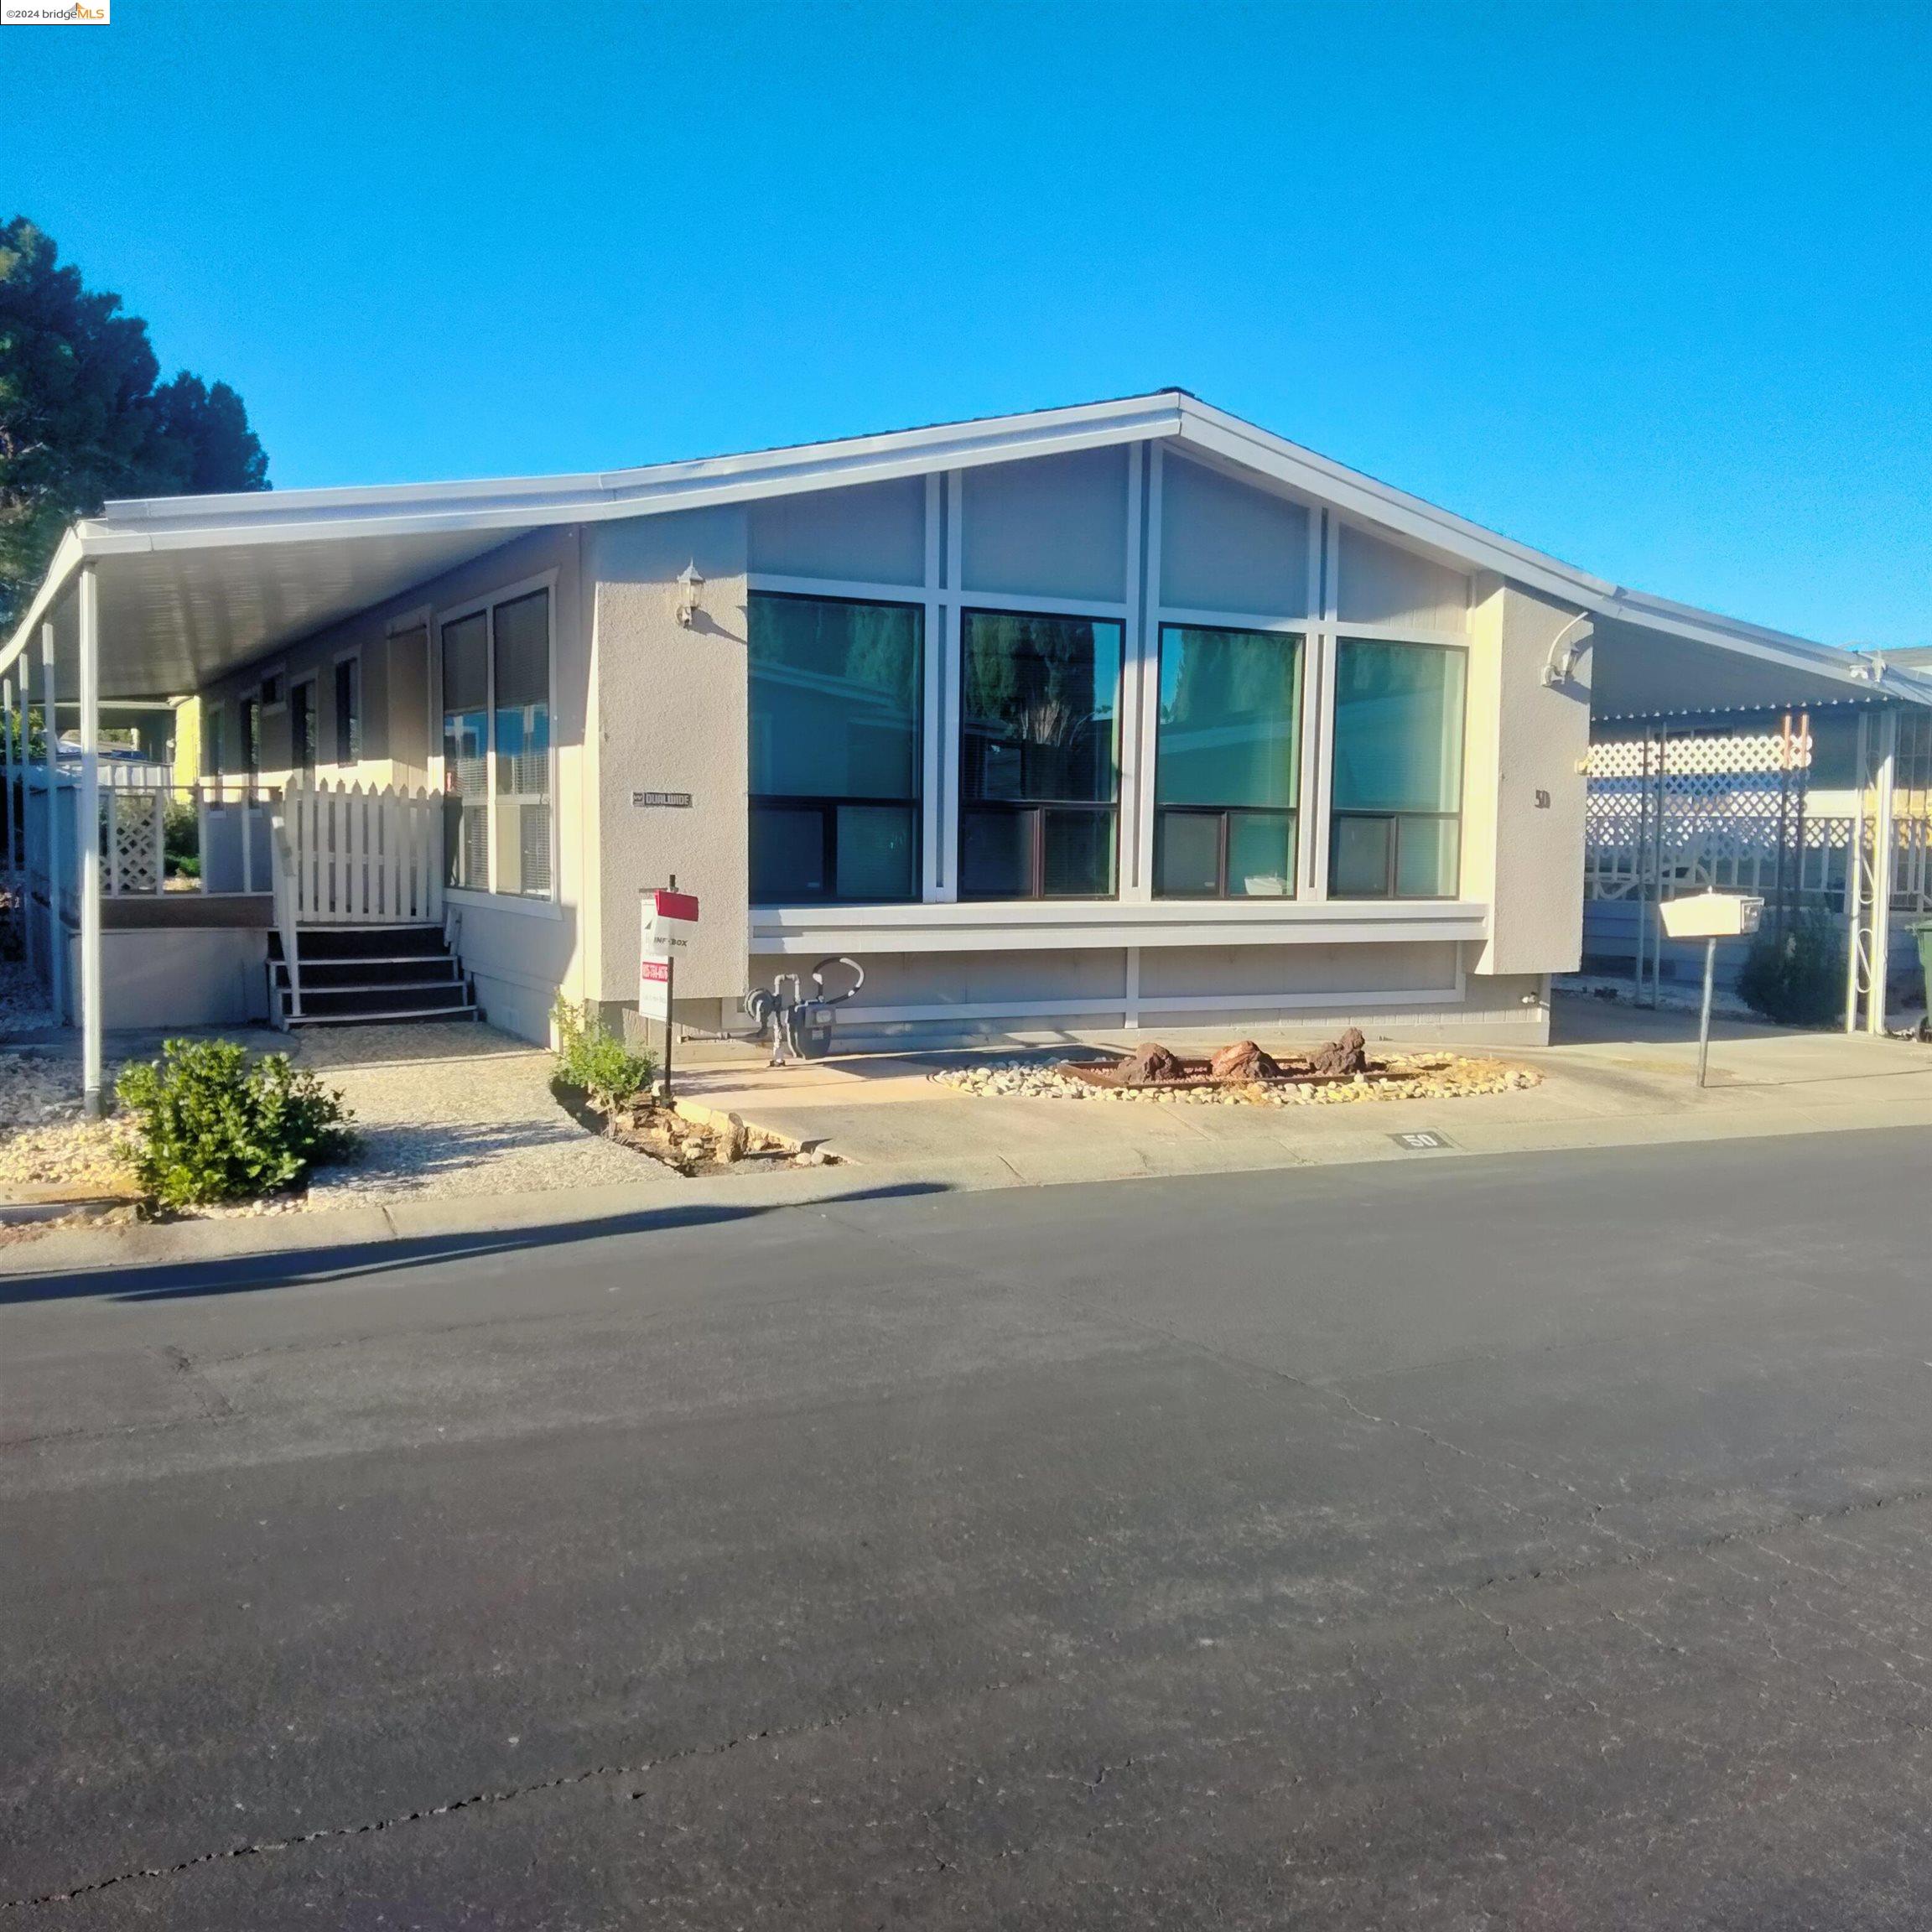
column 1711, row 915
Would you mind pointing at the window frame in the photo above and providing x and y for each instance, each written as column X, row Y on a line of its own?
column 827, row 805
column 1035, row 810
column 1338, row 815
column 1301, row 642
column 549, row 904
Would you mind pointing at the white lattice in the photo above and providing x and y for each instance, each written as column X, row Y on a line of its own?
column 136, row 859
column 1701, row 757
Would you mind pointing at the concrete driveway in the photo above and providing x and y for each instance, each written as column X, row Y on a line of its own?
column 1529, row 1542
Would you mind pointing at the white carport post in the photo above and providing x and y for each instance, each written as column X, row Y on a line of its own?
column 89, row 854
column 50, row 745
column 1884, row 837
column 7, row 762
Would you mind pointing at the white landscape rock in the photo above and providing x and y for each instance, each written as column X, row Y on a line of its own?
column 1417, row 1076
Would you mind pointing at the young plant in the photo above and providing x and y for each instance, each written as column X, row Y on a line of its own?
column 215, row 1125
column 591, row 1059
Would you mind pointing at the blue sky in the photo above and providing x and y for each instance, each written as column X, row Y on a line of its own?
column 1648, row 287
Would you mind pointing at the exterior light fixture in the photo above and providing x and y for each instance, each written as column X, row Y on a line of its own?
column 689, row 583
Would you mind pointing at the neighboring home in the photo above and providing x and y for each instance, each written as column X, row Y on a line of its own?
column 1126, row 714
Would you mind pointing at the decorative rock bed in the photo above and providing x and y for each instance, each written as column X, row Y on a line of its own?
column 693, row 1138
column 1242, row 1074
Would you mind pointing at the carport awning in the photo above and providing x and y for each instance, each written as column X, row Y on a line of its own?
column 174, row 619
column 1639, row 672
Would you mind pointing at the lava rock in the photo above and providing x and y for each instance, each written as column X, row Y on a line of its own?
column 1241, row 1064
column 1149, row 1065
column 1348, row 1055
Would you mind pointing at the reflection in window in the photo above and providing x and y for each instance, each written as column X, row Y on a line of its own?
column 302, row 727
column 835, row 749
column 466, row 751
column 1227, row 764
column 1396, row 826
column 521, row 708
column 349, row 711
column 495, row 681
column 1039, row 756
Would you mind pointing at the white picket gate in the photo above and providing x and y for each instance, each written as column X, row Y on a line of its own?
column 346, row 856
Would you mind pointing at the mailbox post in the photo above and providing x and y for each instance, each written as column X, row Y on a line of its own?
column 1710, row 916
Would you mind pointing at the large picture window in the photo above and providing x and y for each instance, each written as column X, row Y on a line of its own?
column 835, row 749
column 1396, row 826
column 496, row 685
column 1039, row 756
column 1227, row 764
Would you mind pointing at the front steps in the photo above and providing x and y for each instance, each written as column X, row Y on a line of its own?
column 367, row 975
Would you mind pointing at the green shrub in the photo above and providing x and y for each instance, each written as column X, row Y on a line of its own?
column 181, row 839
column 216, row 1125
column 1796, row 975
column 591, row 1057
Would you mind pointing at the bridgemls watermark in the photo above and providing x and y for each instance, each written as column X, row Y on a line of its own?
column 53, row 12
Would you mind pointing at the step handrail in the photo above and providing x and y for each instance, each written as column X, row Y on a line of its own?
column 281, row 875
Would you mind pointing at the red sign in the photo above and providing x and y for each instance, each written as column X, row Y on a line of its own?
column 657, row 971
column 675, row 906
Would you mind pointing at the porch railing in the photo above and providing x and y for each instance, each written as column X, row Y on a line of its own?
column 351, row 856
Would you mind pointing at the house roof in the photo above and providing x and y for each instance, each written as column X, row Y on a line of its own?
column 194, row 586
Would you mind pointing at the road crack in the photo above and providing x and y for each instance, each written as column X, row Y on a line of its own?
column 259, row 1848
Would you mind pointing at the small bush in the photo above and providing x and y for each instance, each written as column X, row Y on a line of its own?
column 218, row 1126
column 1795, row 976
column 181, row 840
column 591, row 1057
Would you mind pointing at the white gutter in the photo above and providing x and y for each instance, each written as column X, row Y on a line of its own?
column 67, row 559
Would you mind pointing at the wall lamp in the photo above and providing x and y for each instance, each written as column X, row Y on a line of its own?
column 1560, row 665
column 689, row 583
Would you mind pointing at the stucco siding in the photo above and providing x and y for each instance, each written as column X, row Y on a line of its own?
column 672, row 716
column 1526, row 805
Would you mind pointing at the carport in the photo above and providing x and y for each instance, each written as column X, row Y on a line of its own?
column 1770, row 765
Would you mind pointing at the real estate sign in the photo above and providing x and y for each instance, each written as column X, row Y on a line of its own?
column 669, row 919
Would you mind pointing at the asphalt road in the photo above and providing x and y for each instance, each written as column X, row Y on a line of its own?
column 1529, row 1543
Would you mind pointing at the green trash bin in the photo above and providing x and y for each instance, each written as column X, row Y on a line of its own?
column 1921, row 929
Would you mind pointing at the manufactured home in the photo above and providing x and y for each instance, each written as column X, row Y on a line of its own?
column 1129, row 715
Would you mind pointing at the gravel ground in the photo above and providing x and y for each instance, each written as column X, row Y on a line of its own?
column 1428, row 1077
column 441, row 1110
column 22, row 1006
column 449, row 1108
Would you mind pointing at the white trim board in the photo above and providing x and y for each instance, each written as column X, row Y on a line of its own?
column 989, row 926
